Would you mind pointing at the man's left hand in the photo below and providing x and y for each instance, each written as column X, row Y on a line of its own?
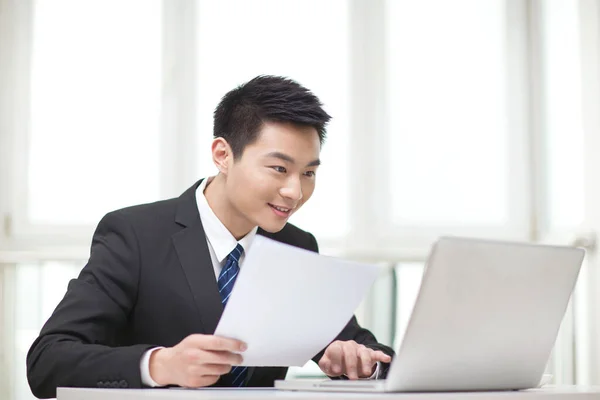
column 351, row 359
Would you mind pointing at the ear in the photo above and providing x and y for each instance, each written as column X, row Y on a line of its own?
column 222, row 154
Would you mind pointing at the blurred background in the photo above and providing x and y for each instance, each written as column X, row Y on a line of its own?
column 466, row 117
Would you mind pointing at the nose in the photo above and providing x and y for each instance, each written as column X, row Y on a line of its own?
column 292, row 190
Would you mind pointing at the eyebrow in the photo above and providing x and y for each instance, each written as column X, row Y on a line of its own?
column 285, row 157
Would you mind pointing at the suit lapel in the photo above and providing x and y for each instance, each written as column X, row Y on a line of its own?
column 192, row 250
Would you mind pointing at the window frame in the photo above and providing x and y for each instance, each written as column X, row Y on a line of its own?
column 177, row 126
column 370, row 234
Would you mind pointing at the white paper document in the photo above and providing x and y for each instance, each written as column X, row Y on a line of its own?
column 288, row 303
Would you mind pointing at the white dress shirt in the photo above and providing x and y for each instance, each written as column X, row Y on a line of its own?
column 220, row 243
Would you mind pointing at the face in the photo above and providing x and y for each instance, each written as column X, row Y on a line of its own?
column 274, row 176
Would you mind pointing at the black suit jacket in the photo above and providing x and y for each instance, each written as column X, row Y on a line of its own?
column 149, row 282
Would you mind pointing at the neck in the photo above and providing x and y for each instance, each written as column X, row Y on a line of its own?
column 219, row 202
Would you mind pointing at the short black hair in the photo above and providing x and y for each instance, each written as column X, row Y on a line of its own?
column 266, row 98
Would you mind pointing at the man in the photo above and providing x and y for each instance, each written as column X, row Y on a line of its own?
column 143, row 311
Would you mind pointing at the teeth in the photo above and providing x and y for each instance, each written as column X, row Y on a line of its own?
column 281, row 209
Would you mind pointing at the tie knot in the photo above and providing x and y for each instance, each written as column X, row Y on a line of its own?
column 236, row 253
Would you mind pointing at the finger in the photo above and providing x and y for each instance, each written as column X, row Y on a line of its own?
column 350, row 360
column 221, row 357
column 335, row 354
column 365, row 362
column 325, row 365
column 381, row 356
column 217, row 343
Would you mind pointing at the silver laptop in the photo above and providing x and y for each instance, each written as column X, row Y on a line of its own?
column 486, row 318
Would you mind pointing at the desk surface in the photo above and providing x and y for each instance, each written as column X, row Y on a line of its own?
column 550, row 393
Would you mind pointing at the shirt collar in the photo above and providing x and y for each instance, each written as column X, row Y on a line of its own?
column 219, row 237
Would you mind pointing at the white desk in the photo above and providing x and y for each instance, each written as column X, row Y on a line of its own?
column 549, row 393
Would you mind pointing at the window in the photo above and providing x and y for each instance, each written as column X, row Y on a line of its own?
column 450, row 148
column 311, row 48
column 95, row 109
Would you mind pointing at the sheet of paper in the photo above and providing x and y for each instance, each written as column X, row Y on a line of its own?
column 288, row 303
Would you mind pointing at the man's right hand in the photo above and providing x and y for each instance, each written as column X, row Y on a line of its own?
column 196, row 361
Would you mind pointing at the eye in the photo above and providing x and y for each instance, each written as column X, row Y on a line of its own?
column 309, row 174
column 279, row 169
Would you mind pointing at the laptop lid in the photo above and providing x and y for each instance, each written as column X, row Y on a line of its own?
column 486, row 316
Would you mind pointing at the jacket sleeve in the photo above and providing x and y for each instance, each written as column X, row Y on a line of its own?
column 80, row 344
column 353, row 331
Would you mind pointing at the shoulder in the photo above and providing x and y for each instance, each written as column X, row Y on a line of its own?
column 156, row 210
column 142, row 217
column 163, row 212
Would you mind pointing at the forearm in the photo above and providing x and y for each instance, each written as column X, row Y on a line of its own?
column 58, row 360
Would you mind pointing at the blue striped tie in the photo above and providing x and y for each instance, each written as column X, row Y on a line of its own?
column 225, row 284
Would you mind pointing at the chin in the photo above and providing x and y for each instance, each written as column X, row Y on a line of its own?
column 272, row 227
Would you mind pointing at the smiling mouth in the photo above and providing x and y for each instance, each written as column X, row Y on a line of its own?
column 282, row 211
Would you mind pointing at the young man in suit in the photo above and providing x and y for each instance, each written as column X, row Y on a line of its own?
column 143, row 311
